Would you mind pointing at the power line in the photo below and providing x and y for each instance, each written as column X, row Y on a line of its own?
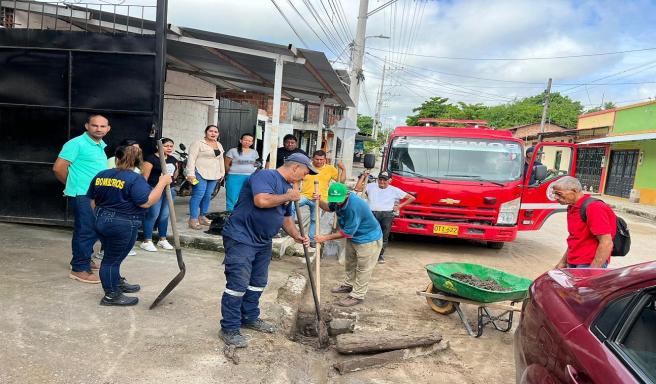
column 289, row 23
column 322, row 25
column 648, row 65
column 507, row 81
column 525, row 58
column 311, row 29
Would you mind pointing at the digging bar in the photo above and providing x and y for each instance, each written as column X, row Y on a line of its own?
column 176, row 238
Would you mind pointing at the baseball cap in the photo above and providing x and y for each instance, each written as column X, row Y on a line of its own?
column 302, row 159
column 384, row 175
column 530, row 150
column 337, row 193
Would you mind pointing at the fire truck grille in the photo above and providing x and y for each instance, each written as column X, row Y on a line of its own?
column 451, row 213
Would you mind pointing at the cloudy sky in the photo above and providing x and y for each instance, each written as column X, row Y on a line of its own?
column 488, row 51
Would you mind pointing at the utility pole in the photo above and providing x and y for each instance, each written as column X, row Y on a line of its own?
column 356, row 78
column 379, row 105
column 545, row 110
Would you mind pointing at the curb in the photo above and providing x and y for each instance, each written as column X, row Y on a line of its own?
column 215, row 243
column 633, row 211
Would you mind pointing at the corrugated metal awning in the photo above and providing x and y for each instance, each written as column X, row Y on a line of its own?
column 619, row 139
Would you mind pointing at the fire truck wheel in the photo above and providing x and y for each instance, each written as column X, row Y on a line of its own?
column 495, row 244
column 443, row 307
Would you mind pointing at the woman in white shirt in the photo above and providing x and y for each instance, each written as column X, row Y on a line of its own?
column 205, row 168
column 240, row 163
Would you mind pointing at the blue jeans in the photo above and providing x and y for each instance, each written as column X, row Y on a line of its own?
column 234, row 183
column 159, row 210
column 246, row 271
column 201, row 195
column 118, row 234
column 84, row 236
column 584, row 265
column 313, row 225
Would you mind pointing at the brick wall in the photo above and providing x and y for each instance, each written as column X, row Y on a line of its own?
column 185, row 120
column 534, row 129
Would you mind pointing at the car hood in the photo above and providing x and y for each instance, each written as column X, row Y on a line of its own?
column 583, row 289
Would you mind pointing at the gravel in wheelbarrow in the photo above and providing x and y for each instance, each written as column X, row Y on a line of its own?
column 515, row 288
column 488, row 284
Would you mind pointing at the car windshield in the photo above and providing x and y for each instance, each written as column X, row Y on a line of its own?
column 456, row 158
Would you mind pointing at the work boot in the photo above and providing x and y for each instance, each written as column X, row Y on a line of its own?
column 118, row 299
column 127, row 287
column 349, row 302
column 85, row 277
column 342, row 289
column 94, row 266
column 233, row 338
column 261, row 325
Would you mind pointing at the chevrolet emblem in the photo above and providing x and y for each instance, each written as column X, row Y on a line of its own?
column 449, row 201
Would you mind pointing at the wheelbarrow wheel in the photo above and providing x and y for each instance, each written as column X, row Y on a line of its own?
column 443, row 307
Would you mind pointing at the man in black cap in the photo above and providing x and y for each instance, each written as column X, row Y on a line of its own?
column 527, row 162
column 384, row 201
column 263, row 207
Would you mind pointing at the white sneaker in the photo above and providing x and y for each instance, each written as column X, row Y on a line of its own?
column 165, row 244
column 148, row 246
column 132, row 252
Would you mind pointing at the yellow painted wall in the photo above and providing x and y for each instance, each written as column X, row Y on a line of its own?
column 647, row 196
column 594, row 121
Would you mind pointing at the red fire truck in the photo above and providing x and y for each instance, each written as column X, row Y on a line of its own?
column 473, row 182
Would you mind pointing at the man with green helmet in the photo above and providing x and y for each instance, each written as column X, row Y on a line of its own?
column 364, row 240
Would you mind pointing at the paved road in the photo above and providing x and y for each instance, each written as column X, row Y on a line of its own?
column 53, row 330
column 392, row 304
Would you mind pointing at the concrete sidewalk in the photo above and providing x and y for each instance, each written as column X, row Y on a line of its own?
column 53, row 329
column 624, row 206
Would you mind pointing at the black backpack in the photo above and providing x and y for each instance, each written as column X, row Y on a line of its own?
column 622, row 239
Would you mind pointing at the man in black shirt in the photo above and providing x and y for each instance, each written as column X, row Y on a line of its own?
column 290, row 145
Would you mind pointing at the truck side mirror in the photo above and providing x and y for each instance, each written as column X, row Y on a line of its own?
column 369, row 161
column 540, row 172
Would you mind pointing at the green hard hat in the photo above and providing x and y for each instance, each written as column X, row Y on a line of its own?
column 337, row 193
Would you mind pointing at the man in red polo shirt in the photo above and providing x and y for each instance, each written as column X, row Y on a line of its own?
column 590, row 244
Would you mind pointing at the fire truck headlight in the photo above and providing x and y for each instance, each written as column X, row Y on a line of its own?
column 508, row 212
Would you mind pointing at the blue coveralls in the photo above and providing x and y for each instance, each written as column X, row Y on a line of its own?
column 118, row 194
column 247, row 238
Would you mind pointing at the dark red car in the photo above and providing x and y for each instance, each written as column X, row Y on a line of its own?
column 589, row 326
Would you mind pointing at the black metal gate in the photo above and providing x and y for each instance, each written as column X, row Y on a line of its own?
column 235, row 120
column 621, row 173
column 588, row 167
column 50, row 82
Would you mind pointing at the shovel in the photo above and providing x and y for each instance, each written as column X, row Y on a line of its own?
column 321, row 326
column 176, row 238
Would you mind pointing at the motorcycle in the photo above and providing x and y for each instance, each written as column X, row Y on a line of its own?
column 183, row 187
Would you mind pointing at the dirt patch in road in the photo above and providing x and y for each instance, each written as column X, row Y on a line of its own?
column 488, row 284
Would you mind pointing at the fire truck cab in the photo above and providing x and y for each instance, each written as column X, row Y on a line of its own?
column 473, row 182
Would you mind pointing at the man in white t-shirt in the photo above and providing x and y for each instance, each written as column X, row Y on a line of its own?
column 384, row 201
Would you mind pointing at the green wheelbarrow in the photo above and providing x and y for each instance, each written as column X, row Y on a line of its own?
column 444, row 294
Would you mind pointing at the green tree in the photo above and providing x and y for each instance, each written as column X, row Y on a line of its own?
column 435, row 107
column 562, row 111
column 365, row 125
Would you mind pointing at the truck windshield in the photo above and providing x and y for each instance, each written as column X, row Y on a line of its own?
column 456, row 158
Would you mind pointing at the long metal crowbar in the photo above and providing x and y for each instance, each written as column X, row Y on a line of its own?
column 176, row 238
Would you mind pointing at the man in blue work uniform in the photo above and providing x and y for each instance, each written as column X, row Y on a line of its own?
column 263, row 207
column 364, row 241
column 79, row 161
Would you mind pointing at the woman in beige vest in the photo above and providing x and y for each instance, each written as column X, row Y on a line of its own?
column 205, row 168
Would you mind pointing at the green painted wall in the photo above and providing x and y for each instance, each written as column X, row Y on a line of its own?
column 635, row 119
column 646, row 172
